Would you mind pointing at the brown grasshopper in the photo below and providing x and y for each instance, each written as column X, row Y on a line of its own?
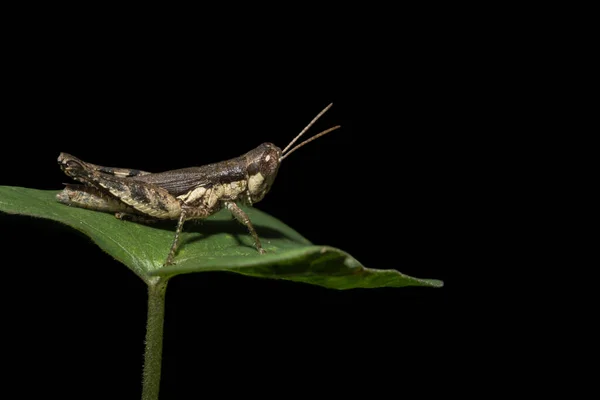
column 182, row 194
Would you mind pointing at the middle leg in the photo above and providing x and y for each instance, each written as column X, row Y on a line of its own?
column 187, row 212
column 173, row 249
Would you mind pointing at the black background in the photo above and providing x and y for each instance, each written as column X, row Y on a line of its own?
column 387, row 187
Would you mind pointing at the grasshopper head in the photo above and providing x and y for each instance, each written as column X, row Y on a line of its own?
column 262, row 165
column 263, row 162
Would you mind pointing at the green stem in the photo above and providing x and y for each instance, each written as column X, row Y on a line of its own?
column 154, row 338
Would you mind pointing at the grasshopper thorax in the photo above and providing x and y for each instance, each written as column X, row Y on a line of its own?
column 262, row 164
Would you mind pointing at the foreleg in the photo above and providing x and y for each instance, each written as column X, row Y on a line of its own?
column 242, row 217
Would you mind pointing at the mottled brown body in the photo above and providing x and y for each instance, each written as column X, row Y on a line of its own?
column 182, row 194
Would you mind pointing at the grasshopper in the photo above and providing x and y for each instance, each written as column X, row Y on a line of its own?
column 182, row 194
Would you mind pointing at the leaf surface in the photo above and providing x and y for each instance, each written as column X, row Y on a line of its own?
column 218, row 243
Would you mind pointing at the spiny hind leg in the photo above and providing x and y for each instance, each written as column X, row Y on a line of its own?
column 242, row 217
column 146, row 198
column 91, row 198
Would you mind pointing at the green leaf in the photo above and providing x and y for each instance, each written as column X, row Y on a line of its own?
column 218, row 243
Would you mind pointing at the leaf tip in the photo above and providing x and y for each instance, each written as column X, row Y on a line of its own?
column 436, row 283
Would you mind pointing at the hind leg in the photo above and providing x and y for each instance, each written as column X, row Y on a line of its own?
column 146, row 198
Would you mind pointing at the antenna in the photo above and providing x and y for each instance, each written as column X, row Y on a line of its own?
column 284, row 155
